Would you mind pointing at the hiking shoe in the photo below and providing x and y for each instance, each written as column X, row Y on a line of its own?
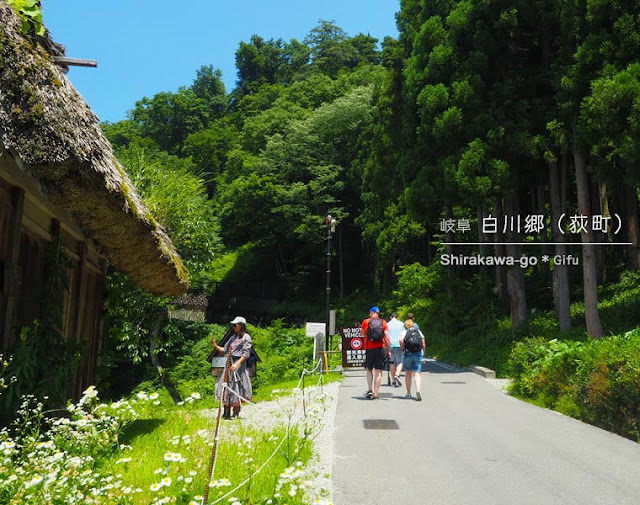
column 397, row 379
column 369, row 395
column 418, row 397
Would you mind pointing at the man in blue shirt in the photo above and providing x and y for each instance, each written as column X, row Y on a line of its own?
column 411, row 316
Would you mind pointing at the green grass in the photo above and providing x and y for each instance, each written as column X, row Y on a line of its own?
column 188, row 430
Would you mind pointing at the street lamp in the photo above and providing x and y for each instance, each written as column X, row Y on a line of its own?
column 330, row 223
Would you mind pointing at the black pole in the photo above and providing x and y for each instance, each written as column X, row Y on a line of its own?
column 326, row 337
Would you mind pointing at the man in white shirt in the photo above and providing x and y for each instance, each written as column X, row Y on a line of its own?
column 395, row 363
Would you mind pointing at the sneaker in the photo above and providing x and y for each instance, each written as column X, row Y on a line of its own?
column 369, row 395
column 418, row 397
column 397, row 379
column 408, row 395
column 396, row 385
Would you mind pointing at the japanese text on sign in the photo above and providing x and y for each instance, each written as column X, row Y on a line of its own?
column 353, row 353
column 536, row 223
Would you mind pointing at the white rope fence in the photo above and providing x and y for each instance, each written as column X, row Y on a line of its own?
column 284, row 438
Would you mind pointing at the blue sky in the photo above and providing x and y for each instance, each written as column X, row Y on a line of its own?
column 144, row 46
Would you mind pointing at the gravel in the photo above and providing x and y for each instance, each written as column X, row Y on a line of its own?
column 321, row 402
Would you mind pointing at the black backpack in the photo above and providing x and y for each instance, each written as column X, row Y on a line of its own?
column 375, row 330
column 412, row 340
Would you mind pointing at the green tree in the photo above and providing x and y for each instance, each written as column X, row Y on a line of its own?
column 330, row 48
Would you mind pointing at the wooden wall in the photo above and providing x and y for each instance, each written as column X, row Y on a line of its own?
column 27, row 225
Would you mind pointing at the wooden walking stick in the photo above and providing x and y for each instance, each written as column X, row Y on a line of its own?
column 223, row 394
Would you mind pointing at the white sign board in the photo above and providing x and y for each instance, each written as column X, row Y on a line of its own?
column 314, row 328
column 219, row 362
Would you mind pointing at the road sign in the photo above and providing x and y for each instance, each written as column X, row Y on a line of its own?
column 353, row 353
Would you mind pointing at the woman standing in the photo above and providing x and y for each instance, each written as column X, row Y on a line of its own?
column 238, row 349
column 412, row 343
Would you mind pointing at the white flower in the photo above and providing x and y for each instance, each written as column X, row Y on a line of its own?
column 220, row 483
column 36, row 480
column 142, row 396
column 196, row 396
column 173, row 456
column 154, row 396
column 155, row 487
column 166, row 481
column 90, row 392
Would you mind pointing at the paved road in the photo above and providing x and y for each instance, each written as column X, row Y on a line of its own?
column 467, row 443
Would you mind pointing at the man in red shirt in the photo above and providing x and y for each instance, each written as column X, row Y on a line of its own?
column 376, row 342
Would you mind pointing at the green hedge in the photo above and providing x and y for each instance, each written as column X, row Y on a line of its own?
column 284, row 352
column 597, row 381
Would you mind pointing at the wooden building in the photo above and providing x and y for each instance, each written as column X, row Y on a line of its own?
column 60, row 179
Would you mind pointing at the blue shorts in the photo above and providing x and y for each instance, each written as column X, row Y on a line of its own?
column 413, row 361
column 397, row 356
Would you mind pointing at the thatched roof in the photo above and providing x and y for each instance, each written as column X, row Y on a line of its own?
column 54, row 136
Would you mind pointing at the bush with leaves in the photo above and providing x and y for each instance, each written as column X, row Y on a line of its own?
column 30, row 15
column 57, row 461
column 597, row 381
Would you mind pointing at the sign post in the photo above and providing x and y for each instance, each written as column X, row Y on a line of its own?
column 317, row 331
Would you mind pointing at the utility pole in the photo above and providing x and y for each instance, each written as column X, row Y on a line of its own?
column 330, row 223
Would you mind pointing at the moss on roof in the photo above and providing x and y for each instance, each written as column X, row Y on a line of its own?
column 49, row 128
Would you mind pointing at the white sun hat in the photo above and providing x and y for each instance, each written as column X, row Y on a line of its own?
column 239, row 319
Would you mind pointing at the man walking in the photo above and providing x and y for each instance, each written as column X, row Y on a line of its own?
column 376, row 339
column 412, row 317
column 395, row 330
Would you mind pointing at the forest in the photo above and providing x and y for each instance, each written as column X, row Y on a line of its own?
column 479, row 110
column 524, row 115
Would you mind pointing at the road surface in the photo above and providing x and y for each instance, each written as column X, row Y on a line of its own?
column 467, row 443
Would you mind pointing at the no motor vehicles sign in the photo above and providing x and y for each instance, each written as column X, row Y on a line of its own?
column 353, row 353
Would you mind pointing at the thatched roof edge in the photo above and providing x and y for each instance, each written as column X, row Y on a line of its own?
column 50, row 129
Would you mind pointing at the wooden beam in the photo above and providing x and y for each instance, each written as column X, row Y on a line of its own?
column 74, row 62
column 16, row 228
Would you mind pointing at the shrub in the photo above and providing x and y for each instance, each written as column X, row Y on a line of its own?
column 597, row 381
